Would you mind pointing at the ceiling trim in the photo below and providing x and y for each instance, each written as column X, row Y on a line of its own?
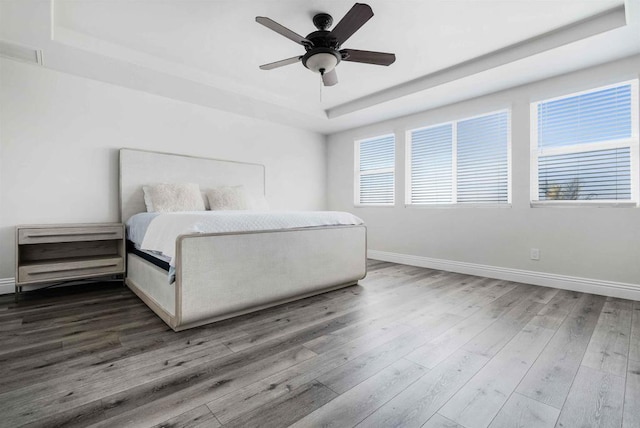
column 608, row 20
column 21, row 53
column 118, row 52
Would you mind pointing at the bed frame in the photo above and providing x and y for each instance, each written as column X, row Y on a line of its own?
column 222, row 275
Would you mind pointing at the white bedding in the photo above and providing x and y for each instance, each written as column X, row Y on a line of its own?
column 162, row 229
column 137, row 227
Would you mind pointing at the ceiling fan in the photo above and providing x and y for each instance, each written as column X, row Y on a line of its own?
column 322, row 47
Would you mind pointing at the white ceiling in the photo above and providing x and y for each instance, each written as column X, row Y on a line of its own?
column 209, row 51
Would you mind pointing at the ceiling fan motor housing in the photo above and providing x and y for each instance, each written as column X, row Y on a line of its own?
column 322, row 54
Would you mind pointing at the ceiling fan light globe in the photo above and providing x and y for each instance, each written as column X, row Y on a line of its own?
column 322, row 61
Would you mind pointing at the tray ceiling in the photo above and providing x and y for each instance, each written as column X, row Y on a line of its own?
column 217, row 46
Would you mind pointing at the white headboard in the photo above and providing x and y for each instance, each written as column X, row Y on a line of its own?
column 140, row 167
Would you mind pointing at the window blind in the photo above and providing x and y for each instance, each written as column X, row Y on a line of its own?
column 376, row 171
column 431, row 165
column 584, row 146
column 483, row 159
column 600, row 115
column 595, row 175
column 461, row 162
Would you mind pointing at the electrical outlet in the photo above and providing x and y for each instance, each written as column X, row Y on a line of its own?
column 535, row 254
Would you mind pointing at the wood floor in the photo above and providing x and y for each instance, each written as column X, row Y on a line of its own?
column 409, row 347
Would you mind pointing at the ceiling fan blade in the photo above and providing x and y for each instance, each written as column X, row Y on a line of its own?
column 280, row 63
column 282, row 30
column 351, row 22
column 368, row 57
column 330, row 78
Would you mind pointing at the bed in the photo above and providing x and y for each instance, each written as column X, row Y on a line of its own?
column 226, row 274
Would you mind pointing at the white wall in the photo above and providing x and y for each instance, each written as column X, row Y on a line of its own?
column 60, row 136
column 597, row 243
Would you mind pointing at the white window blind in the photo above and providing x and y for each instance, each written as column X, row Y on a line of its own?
column 483, row 159
column 432, row 165
column 375, row 171
column 585, row 146
column 465, row 162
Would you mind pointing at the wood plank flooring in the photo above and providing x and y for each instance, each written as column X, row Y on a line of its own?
column 408, row 347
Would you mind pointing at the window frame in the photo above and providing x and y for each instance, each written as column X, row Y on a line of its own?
column 632, row 142
column 358, row 173
column 454, row 165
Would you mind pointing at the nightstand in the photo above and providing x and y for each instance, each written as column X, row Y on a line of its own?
column 63, row 252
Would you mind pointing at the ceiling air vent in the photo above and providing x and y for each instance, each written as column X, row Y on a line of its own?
column 20, row 53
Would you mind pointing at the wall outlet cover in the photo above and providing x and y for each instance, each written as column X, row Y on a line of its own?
column 535, row 254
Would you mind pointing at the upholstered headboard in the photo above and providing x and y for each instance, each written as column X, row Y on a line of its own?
column 140, row 167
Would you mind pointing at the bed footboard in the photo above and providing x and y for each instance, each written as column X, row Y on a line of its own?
column 219, row 276
column 222, row 275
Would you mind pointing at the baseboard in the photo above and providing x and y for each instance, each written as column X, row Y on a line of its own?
column 7, row 285
column 566, row 282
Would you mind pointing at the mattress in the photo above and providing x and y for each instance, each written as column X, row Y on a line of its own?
column 156, row 259
column 157, row 232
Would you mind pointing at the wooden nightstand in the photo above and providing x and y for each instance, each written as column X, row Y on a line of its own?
column 62, row 252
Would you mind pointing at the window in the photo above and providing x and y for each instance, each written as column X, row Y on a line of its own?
column 462, row 162
column 585, row 147
column 375, row 171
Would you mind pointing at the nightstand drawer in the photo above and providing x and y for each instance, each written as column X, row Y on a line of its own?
column 68, row 234
column 70, row 268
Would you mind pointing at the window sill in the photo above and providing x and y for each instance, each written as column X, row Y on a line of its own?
column 582, row 204
column 456, row 206
column 374, row 205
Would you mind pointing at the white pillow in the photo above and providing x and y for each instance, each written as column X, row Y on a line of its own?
column 166, row 197
column 227, row 198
